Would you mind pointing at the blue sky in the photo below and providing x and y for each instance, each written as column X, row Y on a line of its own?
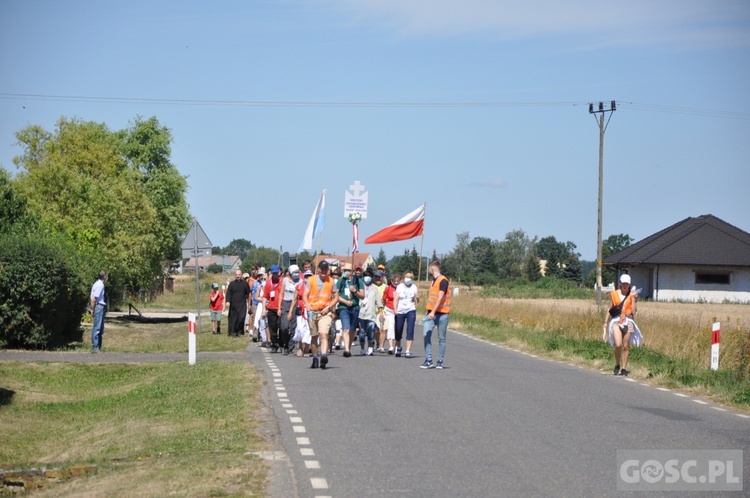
column 293, row 97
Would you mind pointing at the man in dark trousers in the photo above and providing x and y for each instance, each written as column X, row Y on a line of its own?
column 237, row 297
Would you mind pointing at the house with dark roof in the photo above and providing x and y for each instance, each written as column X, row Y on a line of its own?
column 697, row 259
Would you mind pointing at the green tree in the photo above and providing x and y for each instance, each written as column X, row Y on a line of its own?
column 409, row 261
column 612, row 245
column 147, row 149
column 532, row 270
column 382, row 259
column 559, row 256
column 12, row 204
column 263, row 256
column 483, row 250
column 238, row 247
column 302, row 256
column 571, row 269
column 512, row 253
column 460, row 262
column 121, row 205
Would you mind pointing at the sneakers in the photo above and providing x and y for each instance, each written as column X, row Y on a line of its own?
column 439, row 365
column 362, row 352
column 381, row 350
column 427, row 364
column 315, row 362
column 624, row 372
column 347, row 354
column 323, row 362
column 369, row 351
column 408, row 354
column 616, row 370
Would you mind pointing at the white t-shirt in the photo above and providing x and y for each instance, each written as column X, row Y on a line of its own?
column 97, row 291
column 406, row 295
column 288, row 289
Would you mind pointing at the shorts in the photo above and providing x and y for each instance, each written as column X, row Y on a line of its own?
column 319, row 323
column 349, row 318
column 215, row 316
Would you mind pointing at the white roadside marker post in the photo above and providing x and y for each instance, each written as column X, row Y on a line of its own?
column 715, row 333
column 192, row 329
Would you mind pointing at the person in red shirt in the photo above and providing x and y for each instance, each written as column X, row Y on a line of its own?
column 271, row 307
column 216, row 304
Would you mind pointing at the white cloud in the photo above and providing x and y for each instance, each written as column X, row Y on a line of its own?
column 495, row 183
column 608, row 22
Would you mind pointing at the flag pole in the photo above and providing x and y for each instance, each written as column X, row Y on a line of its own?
column 421, row 245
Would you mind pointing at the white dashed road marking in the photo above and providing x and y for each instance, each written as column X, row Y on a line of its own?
column 305, row 451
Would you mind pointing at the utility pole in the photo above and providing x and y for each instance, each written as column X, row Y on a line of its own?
column 602, row 128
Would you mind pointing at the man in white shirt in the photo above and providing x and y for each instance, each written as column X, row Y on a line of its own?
column 97, row 309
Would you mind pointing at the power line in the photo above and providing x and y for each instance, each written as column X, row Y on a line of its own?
column 685, row 110
column 272, row 103
column 715, row 113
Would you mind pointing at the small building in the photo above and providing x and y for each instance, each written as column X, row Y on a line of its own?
column 229, row 263
column 697, row 259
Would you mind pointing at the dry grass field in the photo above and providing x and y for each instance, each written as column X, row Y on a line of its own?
column 679, row 330
column 675, row 353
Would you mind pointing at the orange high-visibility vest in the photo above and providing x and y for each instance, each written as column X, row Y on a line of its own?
column 432, row 297
column 319, row 298
column 627, row 308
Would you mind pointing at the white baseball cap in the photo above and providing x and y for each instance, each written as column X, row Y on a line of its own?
column 625, row 279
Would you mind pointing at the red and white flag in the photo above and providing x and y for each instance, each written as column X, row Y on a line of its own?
column 410, row 226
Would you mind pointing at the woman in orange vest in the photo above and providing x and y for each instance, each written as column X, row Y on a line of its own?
column 620, row 324
column 438, row 313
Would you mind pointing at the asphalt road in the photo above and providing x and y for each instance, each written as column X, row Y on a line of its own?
column 496, row 422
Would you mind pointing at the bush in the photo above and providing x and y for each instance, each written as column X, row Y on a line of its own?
column 42, row 293
column 214, row 268
column 486, row 279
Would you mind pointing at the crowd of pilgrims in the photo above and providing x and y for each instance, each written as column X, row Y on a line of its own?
column 316, row 312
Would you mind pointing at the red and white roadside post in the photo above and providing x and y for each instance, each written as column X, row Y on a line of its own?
column 715, row 333
column 192, row 330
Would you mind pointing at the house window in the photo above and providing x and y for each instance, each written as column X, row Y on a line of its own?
column 712, row 278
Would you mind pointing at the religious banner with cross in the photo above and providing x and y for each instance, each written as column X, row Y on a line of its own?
column 356, row 201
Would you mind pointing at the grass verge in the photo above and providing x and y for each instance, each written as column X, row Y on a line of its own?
column 127, row 336
column 151, row 429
